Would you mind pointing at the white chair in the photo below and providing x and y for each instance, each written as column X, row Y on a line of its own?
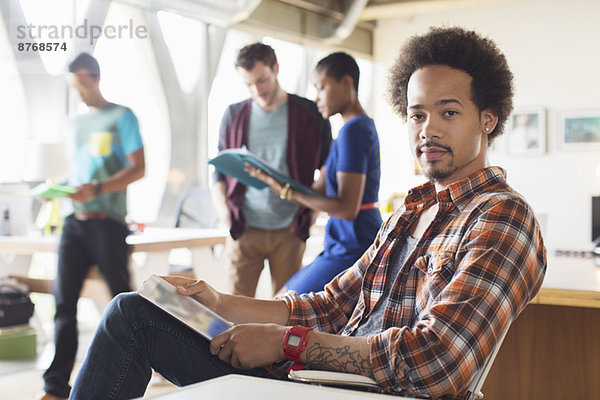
column 474, row 389
column 195, row 208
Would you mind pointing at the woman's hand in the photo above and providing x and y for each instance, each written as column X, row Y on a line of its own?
column 199, row 290
column 259, row 174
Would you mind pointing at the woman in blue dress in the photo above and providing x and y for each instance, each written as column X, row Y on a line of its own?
column 349, row 179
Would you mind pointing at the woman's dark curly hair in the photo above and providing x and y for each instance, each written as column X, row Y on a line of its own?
column 491, row 85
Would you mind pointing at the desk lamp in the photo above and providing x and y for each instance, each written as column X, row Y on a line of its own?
column 46, row 161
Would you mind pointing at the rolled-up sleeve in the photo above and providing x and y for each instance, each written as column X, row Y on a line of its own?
column 330, row 310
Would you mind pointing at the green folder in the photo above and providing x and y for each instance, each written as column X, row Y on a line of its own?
column 51, row 191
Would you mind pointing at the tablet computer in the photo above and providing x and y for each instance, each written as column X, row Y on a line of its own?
column 185, row 308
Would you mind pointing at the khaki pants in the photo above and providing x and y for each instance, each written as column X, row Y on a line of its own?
column 283, row 248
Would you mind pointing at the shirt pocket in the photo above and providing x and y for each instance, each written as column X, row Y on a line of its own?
column 434, row 273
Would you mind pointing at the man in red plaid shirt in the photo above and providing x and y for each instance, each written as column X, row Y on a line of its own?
column 424, row 307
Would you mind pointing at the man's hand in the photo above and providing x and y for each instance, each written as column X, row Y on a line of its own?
column 237, row 309
column 249, row 346
column 199, row 290
column 84, row 193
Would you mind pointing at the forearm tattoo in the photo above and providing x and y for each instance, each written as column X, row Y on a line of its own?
column 337, row 359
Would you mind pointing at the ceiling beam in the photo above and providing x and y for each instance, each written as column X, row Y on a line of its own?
column 414, row 7
column 215, row 12
column 287, row 21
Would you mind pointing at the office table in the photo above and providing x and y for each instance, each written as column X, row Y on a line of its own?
column 156, row 243
column 552, row 350
column 252, row 388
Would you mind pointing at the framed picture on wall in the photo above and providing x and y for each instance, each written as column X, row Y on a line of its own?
column 579, row 130
column 527, row 131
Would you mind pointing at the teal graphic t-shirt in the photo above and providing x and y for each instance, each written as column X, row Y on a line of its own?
column 100, row 142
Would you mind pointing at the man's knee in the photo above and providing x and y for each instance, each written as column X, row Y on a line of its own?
column 124, row 304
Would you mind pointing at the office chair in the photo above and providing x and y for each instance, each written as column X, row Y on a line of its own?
column 474, row 389
column 195, row 209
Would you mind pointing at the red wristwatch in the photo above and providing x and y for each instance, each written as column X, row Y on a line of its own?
column 294, row 343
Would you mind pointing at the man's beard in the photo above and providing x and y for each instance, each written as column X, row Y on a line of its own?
column 433, row 172
column 439, row 174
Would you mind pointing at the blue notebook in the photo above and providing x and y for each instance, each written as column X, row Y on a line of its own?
column 231, row 162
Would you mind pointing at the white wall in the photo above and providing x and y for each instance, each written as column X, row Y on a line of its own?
column 553, row 49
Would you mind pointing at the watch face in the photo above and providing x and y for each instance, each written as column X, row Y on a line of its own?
column 293, row 340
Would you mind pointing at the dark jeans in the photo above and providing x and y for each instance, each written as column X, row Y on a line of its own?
column 135, row 337
column 83, row 244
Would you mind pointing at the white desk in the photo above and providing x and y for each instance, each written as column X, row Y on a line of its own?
column 151, row 240
column 155, row 242
column 158, row 242
column 251, row 388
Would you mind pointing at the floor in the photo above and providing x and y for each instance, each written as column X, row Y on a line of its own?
column 22, row 379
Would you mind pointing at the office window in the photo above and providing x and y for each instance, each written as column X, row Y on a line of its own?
column 130, row 77
column 292, row 64
column 13, row 113
column 43, row 15
column 366, row 84
column 179, row 34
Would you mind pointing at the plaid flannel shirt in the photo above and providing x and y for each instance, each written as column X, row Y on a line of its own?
column 472, row 272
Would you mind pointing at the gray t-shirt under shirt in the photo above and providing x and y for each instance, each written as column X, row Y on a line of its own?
column 267, row 138
column 374, row 323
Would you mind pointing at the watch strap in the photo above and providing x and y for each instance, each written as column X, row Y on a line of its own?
column 293, row 352
column 295, row 366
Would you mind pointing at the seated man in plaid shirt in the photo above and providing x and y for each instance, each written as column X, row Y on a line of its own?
column 423, row 308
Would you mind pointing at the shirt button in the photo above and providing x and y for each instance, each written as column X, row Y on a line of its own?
column 430, row 270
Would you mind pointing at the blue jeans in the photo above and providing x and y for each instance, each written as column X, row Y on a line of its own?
column 135, row 337
column 83, row 244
